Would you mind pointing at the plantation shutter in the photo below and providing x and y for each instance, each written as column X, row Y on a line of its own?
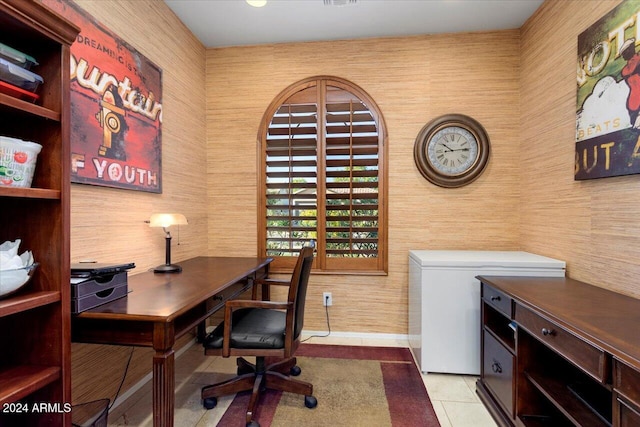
column 351, row 176
column 323, row 179
column 292, row 175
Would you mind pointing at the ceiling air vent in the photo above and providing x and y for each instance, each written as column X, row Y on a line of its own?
column 338, row 2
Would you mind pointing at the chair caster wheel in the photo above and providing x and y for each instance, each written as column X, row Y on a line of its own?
column 210, row 402
column 253, row 423
column 310, row 402
column 295, row 370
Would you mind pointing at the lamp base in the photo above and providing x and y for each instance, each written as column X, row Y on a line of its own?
column 167, row 268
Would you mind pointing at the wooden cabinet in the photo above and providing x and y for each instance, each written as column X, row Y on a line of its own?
column 588, row 357
column 498, row 371
column 35, row 321
column 572, row 357
column 498, row 354
column 626, row 384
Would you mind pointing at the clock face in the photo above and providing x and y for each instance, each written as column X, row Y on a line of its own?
column 452, row 150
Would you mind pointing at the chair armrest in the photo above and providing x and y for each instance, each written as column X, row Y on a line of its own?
column 277, row 282
column 265, row 283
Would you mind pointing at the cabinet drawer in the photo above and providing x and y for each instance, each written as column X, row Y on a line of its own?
column 497, row 299
column 588, row 358
column 497, row 371
column 217, row 301
column 629, row 416
column 626, row 381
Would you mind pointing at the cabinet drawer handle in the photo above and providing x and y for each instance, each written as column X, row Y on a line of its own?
column 548, row 332
column 495, row 367
column 497, row 298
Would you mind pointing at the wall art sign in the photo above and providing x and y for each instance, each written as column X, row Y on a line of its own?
column 608, row 96
column 116, row 108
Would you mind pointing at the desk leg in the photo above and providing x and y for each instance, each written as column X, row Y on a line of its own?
column 163, row 388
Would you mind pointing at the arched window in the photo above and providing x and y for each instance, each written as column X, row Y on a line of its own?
column 323, row 176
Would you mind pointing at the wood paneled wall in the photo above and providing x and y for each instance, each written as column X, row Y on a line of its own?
column 593, row 225
column 413, row 80
column 108, row 224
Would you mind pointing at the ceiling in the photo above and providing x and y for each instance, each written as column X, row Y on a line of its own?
column 220, row 23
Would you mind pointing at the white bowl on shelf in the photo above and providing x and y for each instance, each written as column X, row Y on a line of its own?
column 12, row 280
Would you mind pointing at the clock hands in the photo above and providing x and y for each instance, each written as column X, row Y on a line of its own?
column 453, row 138
column 454, row 149
column 445, row 146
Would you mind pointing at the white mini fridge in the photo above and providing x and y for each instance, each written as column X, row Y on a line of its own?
column 444, row 302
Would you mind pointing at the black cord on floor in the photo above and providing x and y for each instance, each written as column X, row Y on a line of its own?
column 126, row 369
column 326, row 309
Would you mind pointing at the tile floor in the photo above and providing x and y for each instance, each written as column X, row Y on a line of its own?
column 453, row 396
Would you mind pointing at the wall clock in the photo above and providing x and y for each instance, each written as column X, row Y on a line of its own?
column 451, row 150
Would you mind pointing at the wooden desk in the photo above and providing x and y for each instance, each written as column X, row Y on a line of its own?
column 162, row 307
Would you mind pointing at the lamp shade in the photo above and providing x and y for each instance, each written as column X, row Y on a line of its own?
column 167, row 220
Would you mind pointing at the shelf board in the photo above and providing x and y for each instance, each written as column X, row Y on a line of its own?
column 559, row 395
column 508, row 343
column 28, row 107
column 30, row 193
column 27, row 301
column 18, row 382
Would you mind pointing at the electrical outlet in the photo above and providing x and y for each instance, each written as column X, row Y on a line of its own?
column 326, row 299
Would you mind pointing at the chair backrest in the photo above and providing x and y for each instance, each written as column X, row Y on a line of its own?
column 298, row 287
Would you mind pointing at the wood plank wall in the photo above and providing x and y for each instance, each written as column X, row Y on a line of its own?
column 108, row 224
column 594, row 225
column 413, row 80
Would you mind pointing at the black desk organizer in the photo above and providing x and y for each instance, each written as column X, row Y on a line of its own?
column 97, row 291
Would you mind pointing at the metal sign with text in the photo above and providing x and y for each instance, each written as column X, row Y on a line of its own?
column 608, row 96
column 116, row 108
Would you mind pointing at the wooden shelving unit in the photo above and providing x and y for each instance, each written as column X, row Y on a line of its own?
column 35, row 332
column 556, row 351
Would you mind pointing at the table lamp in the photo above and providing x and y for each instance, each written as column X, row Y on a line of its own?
column 165, row 220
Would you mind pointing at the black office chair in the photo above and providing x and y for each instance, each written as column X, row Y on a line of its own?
column 262, row 329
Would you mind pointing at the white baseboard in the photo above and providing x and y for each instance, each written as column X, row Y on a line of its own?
column 365, row 336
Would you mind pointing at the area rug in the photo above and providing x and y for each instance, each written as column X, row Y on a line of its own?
column 355, row 386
